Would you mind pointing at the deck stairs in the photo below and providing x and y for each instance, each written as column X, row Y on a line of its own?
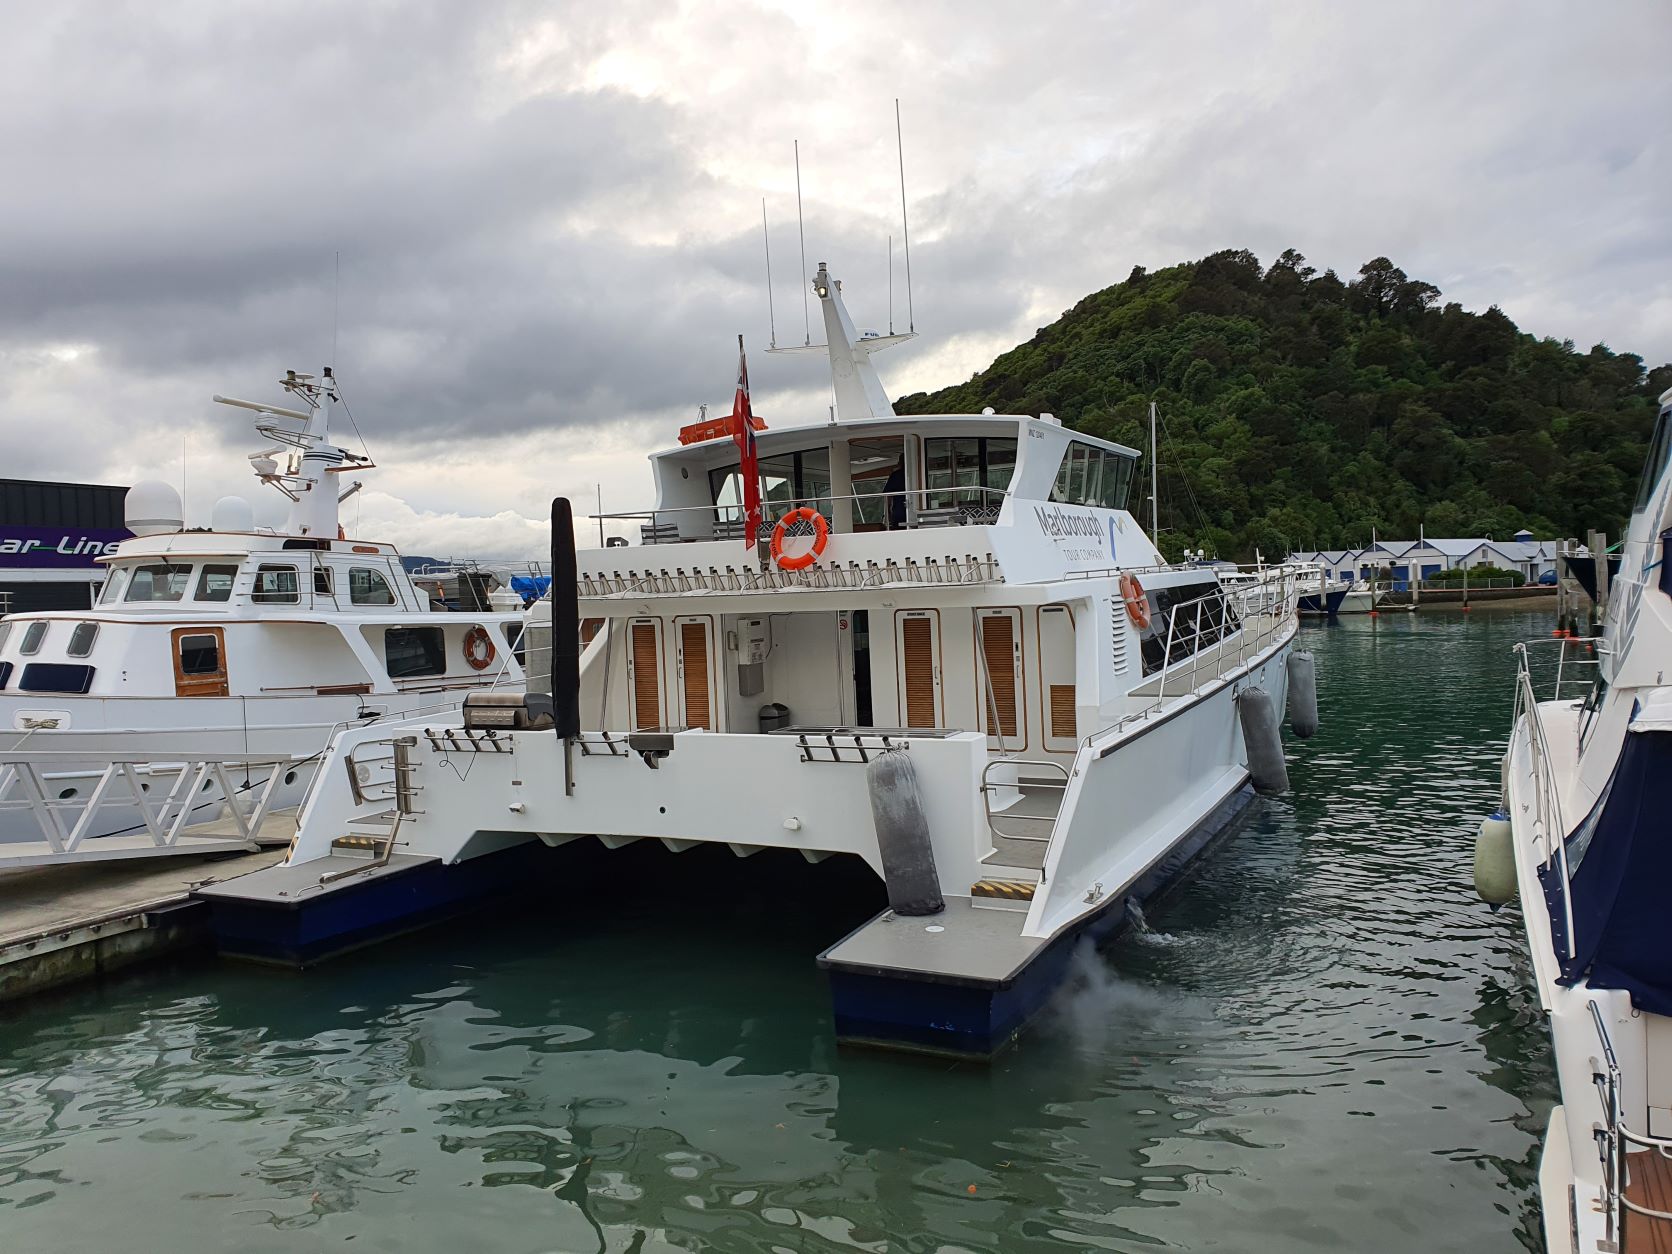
column 1022, row 812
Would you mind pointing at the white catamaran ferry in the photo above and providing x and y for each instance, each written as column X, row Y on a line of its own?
column 972, row 669
column 1584, row 837
column 228, row 640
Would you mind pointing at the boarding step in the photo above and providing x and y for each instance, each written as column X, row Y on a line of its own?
column 1002, row 894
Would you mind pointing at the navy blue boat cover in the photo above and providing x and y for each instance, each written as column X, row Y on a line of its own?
column 1620, row 859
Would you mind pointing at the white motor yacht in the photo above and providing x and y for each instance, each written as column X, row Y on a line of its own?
column 227, row 640
column 1585, row 826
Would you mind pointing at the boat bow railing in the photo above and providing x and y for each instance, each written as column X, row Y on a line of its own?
column 1549, row 828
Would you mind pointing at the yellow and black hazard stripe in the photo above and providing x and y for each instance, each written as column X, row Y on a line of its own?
column 1009, row 890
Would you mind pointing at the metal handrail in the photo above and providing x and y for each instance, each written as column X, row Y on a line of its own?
column 1612, row 1137
column 1547, row 808
column 988, row 787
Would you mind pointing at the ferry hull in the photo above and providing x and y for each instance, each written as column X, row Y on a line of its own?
column 979, row 1019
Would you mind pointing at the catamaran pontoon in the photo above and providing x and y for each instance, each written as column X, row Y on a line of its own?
column 974, row 599
column 227, row 640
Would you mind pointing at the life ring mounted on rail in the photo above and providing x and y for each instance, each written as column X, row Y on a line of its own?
column 478, row 648
column 821, row 538
column 1137, row 604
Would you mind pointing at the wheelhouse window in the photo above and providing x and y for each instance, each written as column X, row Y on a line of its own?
column 1093, row 476
column 1660, row 447
column 368, row 587
column 275, row 585
column 82, row 638
column 967, row 471
column 5, row 631
column 1185, row 619
column 115, row 581
column 322, row 581
column 162, row 582
column 411, row 652
column 200, row 654
column 33, row 635
column 214, row 583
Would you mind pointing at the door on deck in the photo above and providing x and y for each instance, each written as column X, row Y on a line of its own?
column 999, row 686
column 644, row 671
column 199, row 662
column 695, row 655
column 917, row 645
column 1056, row 677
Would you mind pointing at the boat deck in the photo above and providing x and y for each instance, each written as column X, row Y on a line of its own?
column 965, row 943
column 1648, row 1184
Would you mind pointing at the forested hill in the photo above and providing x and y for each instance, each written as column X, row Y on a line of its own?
column 1302, row 411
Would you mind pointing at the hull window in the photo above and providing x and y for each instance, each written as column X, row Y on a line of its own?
column 55, row 677
column 199, row 662
column 696, row 689
column 644, row 660
column 412, row 652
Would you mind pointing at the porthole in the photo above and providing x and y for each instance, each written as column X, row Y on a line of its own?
column 290, row 777
column 66, row 794
column 206, row 784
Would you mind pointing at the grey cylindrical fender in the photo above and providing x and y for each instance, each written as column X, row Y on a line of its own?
column 1264, row 739
column 908, row 857
column 1303, row 694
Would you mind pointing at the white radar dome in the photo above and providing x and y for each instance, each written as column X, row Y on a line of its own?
column 153, row 508
column 232, row 513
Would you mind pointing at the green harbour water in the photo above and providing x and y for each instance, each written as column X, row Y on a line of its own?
column 1323, row 1042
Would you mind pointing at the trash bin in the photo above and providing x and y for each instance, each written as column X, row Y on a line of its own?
column 774, row 716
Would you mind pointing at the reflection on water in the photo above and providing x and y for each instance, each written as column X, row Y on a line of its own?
column 1320, row 1042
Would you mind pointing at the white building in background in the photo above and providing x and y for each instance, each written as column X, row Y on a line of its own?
column 1428, row 557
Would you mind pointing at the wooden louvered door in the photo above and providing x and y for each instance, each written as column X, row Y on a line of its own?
column 644, row 672
column 1056, row 677
column 917, row 646
column 999, row 685
column 696, row 673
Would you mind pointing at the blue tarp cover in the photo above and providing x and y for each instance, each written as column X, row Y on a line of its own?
column 530, row 587
column 1621, row 920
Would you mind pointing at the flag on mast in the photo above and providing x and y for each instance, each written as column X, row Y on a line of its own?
column 743, row 432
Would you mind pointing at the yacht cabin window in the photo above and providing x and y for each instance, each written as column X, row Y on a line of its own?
column 410, row 652
column 1093, row 476
column 322, row 581
column 5, row 631
column 114, row 582
column 966, row 470
column 1659, row 449
column 214, row 583
column 275, row 585
column 162, row 582
column 368, row 587
column 1185, row 619
column 200, row 655
column 33, row 634
column 82, row 638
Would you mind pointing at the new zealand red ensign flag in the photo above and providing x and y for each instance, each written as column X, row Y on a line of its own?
column 743, row 431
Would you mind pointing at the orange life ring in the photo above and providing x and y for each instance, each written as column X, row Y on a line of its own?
column 1137, row 604
column 821, row 537
column 478, row 648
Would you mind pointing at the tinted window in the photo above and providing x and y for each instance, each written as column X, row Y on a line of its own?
column 163, row 582
column 275, row 585
column 81, row 639
column 215, row 583
column 5, row 630
column 1659, row 446
column 1093, row 476
column 1183, row 620
column 200, row 655
column 55, row 677
column 966, row 470
column 413, row 651
column 33, row 634
column 5, row 673
column 368, row 587
column 322, row 581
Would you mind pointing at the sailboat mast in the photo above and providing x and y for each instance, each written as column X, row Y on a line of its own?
column 1155, row 483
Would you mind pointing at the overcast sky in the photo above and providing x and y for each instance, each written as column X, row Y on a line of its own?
column 549, row 215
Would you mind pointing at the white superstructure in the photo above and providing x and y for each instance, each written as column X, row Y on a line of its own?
column 1586, row 802
column 986, row 603
column 230, row 639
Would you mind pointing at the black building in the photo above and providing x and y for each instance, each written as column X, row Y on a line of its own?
column 50, row 537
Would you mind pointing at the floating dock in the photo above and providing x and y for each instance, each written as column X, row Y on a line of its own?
column 71, row 922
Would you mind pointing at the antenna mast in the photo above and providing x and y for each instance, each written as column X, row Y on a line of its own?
column 1155, row 483
column 891, row 285
column 905, row 229
column 766, row 239
column 801, row 226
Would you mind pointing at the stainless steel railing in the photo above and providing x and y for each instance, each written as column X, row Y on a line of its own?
column 1612, row 1137
column 1549, row 827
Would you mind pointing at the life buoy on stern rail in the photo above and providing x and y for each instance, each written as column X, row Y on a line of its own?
column 1137, row 604
column 478, row 648
column 821, row 538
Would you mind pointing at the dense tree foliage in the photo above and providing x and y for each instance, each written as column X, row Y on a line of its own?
column 1301, row 411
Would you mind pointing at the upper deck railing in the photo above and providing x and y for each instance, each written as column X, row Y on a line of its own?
column 907, row 510
column 1549, row 827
